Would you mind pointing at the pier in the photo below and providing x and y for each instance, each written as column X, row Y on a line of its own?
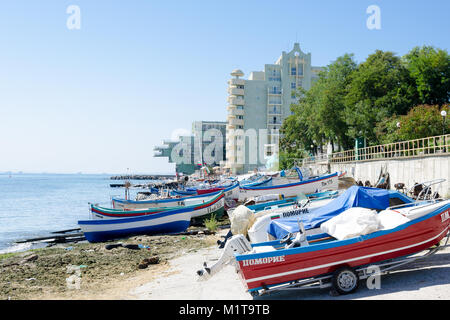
column 143, row 177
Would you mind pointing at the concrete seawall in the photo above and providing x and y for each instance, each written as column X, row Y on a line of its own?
column 407, row 170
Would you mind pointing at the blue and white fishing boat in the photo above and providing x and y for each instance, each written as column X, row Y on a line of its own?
column 172, row 221
column 124, row 204
column 291, row 189
column 256, row 180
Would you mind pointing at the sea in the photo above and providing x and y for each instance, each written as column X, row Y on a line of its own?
column 34, row 205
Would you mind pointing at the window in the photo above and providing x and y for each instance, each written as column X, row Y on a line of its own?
column 293, row 85
column 240, row 107
column 293, row 71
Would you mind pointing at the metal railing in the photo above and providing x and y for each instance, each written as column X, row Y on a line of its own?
column 430, row 146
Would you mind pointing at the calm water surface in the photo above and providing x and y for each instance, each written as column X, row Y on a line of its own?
column 33, row 205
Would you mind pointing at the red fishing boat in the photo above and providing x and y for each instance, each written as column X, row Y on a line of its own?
column 341, row 263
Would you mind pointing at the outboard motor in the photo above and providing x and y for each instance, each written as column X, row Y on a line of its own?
column 238, row 244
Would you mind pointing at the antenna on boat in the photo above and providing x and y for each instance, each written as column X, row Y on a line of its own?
column 127, row 184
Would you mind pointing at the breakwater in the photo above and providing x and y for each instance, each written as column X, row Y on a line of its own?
column 143, row 177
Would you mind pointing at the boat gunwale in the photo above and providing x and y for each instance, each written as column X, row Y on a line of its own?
column 338, row 243
column 289, row 184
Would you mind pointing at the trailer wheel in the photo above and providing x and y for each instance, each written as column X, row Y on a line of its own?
column 345, row 280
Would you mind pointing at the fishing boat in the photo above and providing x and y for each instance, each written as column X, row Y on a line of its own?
column 199, row 207
column 169, row 201
column 323, row 260
column 231, row 190
column 313, row 214
column 172, row 221
column 291, row 189
column 256, row 180
column 258, row 232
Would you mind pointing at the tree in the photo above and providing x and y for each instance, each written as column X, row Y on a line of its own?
column 380, row 87
column 430, row 70
column 319, row 116
column 421, row 121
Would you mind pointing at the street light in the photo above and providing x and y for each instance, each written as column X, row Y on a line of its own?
column 443, row 114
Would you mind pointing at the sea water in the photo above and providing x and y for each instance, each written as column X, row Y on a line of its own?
column 34, row 205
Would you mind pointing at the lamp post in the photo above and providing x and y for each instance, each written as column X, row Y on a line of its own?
column 443, row 114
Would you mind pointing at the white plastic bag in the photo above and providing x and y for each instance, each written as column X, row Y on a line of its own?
column 241, row 220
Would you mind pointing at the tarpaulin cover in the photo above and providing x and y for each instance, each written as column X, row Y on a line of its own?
column 355, row 196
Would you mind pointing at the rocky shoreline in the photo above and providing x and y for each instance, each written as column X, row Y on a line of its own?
column 86, row 270
column 143, row 177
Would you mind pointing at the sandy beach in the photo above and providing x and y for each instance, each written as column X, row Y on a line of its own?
column 116, row 275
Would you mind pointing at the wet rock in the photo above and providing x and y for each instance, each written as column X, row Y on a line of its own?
column 148, row 261
column 30, row 258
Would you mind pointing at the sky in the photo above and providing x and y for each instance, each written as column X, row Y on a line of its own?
column 99, row 98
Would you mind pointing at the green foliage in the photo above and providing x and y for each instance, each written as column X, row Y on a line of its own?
column 380, row 87
column 421, row 121
column 211, row 224
column 430, row 69
column 351, row 100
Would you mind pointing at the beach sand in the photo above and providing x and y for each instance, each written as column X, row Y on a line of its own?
column 175, row 278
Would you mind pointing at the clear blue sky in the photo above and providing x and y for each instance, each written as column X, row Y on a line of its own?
column 100, row 98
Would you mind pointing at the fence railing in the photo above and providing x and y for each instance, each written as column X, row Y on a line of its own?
column 430, row 146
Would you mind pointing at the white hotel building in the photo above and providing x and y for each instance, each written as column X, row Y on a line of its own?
column 258, row 105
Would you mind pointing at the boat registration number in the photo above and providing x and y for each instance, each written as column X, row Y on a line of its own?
column 325, row 183
column 213, row 208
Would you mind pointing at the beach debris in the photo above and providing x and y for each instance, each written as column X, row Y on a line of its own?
column 112, row 246
column 74, row 281
column 131, row 246
column 128, row 246
column 148, row 261
column 30, row 279
column 68, row 248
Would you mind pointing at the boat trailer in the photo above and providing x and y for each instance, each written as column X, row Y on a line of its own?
column 345, row 280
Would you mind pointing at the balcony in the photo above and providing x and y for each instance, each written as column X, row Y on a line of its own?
column 274, row 111
column 236, row 82
column 236, row 101
column 236, row 91
column 236, row 112
column 275, row 102
column 236, row 122
column 274, row 91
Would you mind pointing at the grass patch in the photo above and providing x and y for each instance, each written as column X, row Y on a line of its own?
column 212, row 224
